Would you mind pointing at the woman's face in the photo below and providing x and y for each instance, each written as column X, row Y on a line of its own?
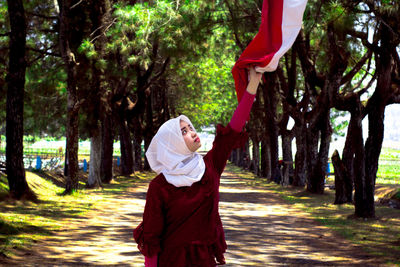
column 191, row 138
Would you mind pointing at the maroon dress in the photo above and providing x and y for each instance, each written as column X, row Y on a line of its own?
column 182, row 224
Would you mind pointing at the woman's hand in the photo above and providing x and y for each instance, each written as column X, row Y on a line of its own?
column 255, row 78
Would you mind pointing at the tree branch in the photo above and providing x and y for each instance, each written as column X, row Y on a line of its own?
column 308, row 67
column 349, row 76
column 235, row 33
column 44, row 52
column 41, row 16
column 395, row 98
column 161, row 72
column 363, row 36
column 77, row 4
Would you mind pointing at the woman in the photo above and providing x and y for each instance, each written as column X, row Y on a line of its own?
column 181, row 224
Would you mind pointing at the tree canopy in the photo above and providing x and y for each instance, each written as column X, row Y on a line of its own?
column 116, row 70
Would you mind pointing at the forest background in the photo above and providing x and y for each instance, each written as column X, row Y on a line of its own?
column 116, row 70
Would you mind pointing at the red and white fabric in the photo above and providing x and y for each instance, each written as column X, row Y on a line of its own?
column 281, row 22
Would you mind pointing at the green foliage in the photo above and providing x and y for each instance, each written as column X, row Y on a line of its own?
column 204, row 88
column 209, row 96
column 138, row 28
column 338, row 122
column 45, row 98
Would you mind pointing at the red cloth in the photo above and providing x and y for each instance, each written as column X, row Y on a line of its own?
column 264, row 45
column 242, row 112
column 182, row 224
column 280, row 24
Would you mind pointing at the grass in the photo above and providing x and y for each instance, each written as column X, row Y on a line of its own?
column 380, row 237
column 23, row 223
column 388, row 173
column 390, row 154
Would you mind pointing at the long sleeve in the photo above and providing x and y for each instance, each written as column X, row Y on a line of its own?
column 242, row 112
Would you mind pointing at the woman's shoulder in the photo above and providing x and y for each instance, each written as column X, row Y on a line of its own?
column 158, row 180
column 160, row 183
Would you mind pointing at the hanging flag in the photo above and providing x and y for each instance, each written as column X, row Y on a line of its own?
column 280, row 24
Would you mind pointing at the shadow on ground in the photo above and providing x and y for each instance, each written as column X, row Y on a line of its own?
column 261, row 230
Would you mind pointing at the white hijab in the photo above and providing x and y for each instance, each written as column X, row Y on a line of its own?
column 169, row 155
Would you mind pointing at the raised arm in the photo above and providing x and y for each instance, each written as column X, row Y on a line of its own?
column 242, row 111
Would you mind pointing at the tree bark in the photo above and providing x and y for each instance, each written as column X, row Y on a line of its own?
column 312, row 137
column 376, row 110
column 360, row 198
column 99, row 110
column 340, row 178
column 72, row 98
column 271, row 127
column 126, row 148
column 94, row 179
column 348, row 157
column 319, row 155
column 256, row 157
column 18, row 185
column 287, row 156
column 107, row 149
column 265, row 158
column 300, row 171
column 149, row 129
column 137, row 145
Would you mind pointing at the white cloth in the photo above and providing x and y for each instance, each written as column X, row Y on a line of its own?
column 169, row 155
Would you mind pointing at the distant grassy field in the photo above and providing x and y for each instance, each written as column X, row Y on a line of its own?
column 389, row 167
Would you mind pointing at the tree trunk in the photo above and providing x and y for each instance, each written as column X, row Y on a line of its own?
column 348, row 159
column 316, row 182
column 312, row 157
column 287, row 157
column 271, row 127
column 300, row 170
column 256, row 157
column 126, row 148
column 94, row 179
column 149, row 130
column 360, row 198
column 349, row 149
column 265, row 158
column 72, row 145
column 107, row 149
column 376, row 112
column 137, row 146
column 340, row 178
column 373, row 147
column 15, row 104
column 72, row 98
column 101, row 110
column 246, row 155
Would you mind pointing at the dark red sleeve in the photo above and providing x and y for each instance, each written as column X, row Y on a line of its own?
column 242, row 112
column 148, row 233
column 225, row 140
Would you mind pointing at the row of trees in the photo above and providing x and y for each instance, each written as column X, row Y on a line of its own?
column 345, row 59
column 121, row 68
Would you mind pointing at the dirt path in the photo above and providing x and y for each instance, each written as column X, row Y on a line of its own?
column 261, row 230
